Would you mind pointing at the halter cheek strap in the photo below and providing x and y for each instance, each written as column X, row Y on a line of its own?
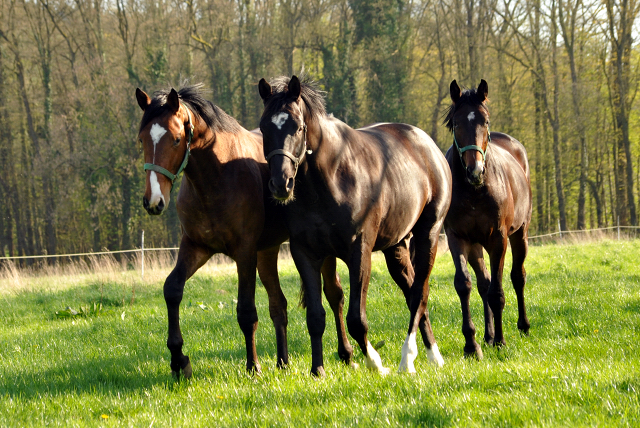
column 471, row 147
column 295, row 159
column 166, row 172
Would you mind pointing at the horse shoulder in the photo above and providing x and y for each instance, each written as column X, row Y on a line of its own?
column 515, row 148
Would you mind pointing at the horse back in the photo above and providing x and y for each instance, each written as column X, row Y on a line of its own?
column 515, row 148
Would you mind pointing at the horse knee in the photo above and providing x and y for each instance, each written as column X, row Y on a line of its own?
column 316, row 323
column 279, row 314
column 462, row 283
column 518, row 279
column 247, row 317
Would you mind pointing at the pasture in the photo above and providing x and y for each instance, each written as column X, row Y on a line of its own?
column 580, row 365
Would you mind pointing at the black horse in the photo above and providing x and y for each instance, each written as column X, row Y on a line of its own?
column 491, row 203
column 356, row 191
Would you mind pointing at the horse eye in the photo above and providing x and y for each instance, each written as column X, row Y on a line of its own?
column 177, row 141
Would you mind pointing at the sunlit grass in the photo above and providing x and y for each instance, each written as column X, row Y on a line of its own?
column 580, row 365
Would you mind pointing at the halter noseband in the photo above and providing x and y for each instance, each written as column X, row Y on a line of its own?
column 295, row 159
column 166, row 172
column 471, row 147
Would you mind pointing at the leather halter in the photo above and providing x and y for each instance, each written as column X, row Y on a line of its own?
column 166, row 172
column 295, row 159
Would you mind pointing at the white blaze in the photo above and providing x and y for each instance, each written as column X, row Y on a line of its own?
column 156, row 193
column 373, row 360
column 471, row 116
column 156, row 133
column 279, row 119
column 409, row 354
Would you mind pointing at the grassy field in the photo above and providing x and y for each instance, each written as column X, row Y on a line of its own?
column 580, row 365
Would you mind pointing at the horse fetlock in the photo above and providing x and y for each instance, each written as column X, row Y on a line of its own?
column 181, row 365
column 373, row 361
column 409, row 354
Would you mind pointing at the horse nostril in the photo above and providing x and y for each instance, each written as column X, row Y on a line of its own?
column 145, row 203
column 289, row 184
column 161, row 204
column 272, row 186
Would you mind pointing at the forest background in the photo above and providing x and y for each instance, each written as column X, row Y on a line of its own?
column 563, row 78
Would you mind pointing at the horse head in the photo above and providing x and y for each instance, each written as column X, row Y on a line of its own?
column 468, row 119
column 284, row 135
column 165, row 133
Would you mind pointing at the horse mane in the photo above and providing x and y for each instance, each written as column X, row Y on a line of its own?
column 468, row 97
column 193, row 97
column 311, row 94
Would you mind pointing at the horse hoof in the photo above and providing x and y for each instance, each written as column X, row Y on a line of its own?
column 282, row 364
column 186, row 371
column 318, row 372
column 476, row 355
column 488, row 340
column 524, row 328
column 354, row 365
column 255, row 369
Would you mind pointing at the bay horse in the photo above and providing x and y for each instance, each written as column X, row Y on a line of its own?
column 491, row 204
column 356, row 191
column 224, row 206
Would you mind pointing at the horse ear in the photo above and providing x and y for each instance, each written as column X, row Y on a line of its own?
column 483, row 90
column 294, row 87
column 173, row 101
column 265, row 89
column 455, row 91
column 143, row 99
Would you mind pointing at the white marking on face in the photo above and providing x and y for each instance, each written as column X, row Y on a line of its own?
column 373, row 360
column 279, row 119
column 409, row 354
column 479, row 165
column 156, row 193
column 434, row 356
column 471, row 116
column 156, row 134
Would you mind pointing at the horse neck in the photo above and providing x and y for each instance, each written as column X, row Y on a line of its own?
column 211, row 149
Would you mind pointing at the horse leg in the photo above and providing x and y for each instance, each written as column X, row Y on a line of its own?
column 190, row 258
column 460, row 250
column 359, row 275
column 476, row 260
column 309, row 270
column 268, row 271
column 519, row 249
column 426, row 246
column 246, row 263
column 495, row 294
column 335, row 296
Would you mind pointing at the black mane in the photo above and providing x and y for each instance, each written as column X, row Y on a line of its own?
column 193, row 97
column 311, row 94
column 468, row 97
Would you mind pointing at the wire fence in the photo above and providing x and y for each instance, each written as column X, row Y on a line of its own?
column 614, row 232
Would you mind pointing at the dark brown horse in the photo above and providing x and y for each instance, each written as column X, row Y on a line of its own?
column 491, row 204
column 356, row 191
column 224, row 206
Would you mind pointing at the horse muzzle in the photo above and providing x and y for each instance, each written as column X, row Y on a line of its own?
column 475, row 174
column 155, row 208
column 282, row 188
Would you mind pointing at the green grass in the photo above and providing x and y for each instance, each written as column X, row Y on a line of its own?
column 580, row 365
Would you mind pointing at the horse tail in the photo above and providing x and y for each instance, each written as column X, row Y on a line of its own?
column 302, row 298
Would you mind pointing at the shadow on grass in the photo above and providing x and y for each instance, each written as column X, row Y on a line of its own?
column 426, row 416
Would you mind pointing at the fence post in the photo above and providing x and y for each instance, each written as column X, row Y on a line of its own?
column 559, row 229
column 142, row 255
column 618, row 228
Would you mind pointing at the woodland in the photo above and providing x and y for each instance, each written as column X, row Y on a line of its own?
column 563, row 78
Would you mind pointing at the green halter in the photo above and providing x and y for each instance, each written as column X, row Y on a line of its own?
column 471, row 147
column 166, row 172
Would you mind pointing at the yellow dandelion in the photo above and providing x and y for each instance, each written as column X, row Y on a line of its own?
column 220, row 397
column 103, row 416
